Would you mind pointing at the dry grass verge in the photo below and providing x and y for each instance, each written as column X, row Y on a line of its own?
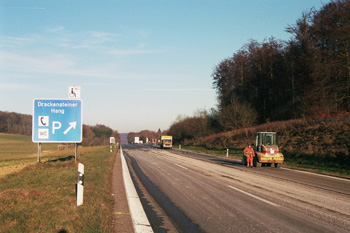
column 42, row 196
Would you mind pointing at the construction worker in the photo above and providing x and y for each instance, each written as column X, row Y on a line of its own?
column 249, row 153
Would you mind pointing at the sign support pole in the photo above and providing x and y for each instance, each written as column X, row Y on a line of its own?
column 76, row 152
column 39, row 150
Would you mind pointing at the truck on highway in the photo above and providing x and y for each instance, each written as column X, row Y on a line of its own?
column 266, row 150
column 166, row 142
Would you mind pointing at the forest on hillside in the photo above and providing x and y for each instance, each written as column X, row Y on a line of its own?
column 145, row 135
column 307, row 77
column 16, row 123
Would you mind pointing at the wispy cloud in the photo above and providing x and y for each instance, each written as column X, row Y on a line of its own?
column 14, row 86
column 23, row 7
column 134, row 52
column 91, row 40
column 26, row 66
column 57, row 37
column 180, row 89
column 15, row 62
column 56, row 51
column 15, row 42
column 57, row 29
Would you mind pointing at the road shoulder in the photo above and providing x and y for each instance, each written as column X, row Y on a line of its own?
column 122, row 219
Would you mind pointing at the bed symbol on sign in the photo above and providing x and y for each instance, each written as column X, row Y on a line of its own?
column 43, row 121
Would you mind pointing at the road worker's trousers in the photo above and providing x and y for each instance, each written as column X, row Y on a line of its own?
column 249, row 161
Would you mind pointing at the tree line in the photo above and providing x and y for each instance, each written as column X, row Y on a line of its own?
column 307, row 76
column 144, row 135
column 16, row 123
column 98, row 135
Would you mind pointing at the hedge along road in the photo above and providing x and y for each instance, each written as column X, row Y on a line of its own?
column 202, row 196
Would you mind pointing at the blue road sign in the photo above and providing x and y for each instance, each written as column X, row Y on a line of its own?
column 57, row 120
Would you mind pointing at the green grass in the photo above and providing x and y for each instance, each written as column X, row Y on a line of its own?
column 42, row 196
column 14, row 146
column 320, row 165
column 18, row 151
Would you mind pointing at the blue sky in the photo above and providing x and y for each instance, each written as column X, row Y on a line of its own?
column 139, row 64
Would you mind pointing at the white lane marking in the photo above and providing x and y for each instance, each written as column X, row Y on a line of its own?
column 332, row 177
column 181, row 166
column 249, row 194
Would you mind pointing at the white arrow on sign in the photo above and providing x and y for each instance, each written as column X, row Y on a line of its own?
column 71, row 125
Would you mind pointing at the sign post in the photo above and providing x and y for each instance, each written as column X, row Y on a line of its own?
column 39, row 151
column 76, row 152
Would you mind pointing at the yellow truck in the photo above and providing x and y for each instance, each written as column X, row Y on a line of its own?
column 166, row 142
column 266, row 150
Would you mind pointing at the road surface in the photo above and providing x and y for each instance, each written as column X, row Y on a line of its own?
column 186, row 192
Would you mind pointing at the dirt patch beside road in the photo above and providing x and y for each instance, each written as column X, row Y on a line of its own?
column 122, row 220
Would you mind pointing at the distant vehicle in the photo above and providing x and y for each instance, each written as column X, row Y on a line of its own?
column 166, row 142
column 266, row 150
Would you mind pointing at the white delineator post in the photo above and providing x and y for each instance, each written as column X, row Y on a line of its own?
column 80, row 185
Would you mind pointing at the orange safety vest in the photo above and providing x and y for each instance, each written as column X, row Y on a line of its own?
column 249, row 152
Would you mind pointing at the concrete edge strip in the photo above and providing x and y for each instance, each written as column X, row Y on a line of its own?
column 138, row 215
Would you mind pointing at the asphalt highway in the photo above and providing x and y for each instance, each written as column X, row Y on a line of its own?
column 188, row 192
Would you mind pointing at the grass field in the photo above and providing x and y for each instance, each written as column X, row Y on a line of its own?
column 13, row 147
column 41, row 197
column 18, row 151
